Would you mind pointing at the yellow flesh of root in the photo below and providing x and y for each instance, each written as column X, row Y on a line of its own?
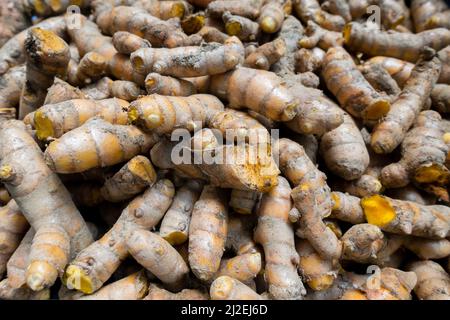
column 233, row 28
column 175, row 238
column 76, row 278
column 177, row 10
column 43, row 125
column 434, row 173
column 378, row 210
column 377, row 110
column 268, row 24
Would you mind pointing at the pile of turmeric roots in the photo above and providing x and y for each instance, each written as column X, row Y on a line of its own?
column 344, row 193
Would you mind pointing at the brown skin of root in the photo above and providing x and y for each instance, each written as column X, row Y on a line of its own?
column 347, row 208
column 318, row 272
column 337, row 145
column 126, row 90
column 390, row 132
column 168, row 86
column 97, row 262
column 7, row 292
column 62, row 91
column 211, row 34
column 13, row 226
column 117, row 143
column 266, row 92
column 440, row 97
column 98, row 90
column 322, row 38
column 243, row 267
column 433, row 283
column 239, row 235
column 423, row 155
column 245, row 8
column 428, row 249
column 4, row 196
column 266, row 55
column 410, row 193
column 90, row 68
column 422, row 10
column 275, row 234
column 159, row 257
column 227, row 288
column 157, row 293
column 271, row 17
column 13, row 21
column 291, row 32
column 11, row 84
column 363, row 243
column 351, row 89
column 311, row 10
column 404, row 46
column 162, row 114
column 191, row 61
column 243, row 201
column 380, row 79
column 243, row 28
column 207, row 233
column 309, row 60
column 18, row 262
column 133, row 287
column 175, row 225
column 54, row 120
column 133, row 178
column 127, row 43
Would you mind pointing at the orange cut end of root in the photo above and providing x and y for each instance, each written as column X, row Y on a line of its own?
column 76, row 278
column 434, row 173
column 378, row 210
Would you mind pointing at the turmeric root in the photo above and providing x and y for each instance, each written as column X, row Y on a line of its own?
column 47, row 56
column 227, row 288
column 440, row 97
column 54, row 120
column 241, row 27
column 309, row 59
column 279, row 248
column 105, row 144
column 390, row 132
column 347, row 208
column 10, row 293
column 165, row 10
column 433, row 283
column 13, row 20
column 380, row 79
column 134, row 177
column 207, row 233
column 62, row 91
column 157, row 256
column 18, row 262
column 423, row 155
column 156, row 293
column 168, row 86
column 13, row 226
column 133, row 287
column 247, row 8
column 407, row 218
column 265, row 92
column 60, row 230
column 320, row 37
column 405, row 46
column 423, row 10
column 11, row 84
column 96, row 263
column 266, row 55
column 162, row 114
column 291, row 32
column 345, row 137
column 127, row 43
column 243, row 267
column 211, row 34
column 394, row 12
column 318, row 273
column 428, row 248
column 439, row 20
column 336, row 7
column 272, row 15
column 194, row 22
column 386, row 284
column 175, row 224
column 99, row 90
column 12, row 53
column 243, row 201
column 349, row 86
column 311, row 197
column 207, row 59
column 139, row 22
column 126, row 90
column 308, row 10
column 5, row 197
column 90, row 68
column 239, row 236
